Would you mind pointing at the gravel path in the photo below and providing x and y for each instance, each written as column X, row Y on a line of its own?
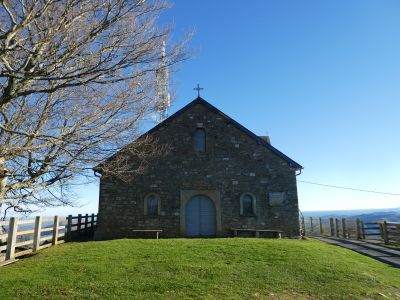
column 383, row 254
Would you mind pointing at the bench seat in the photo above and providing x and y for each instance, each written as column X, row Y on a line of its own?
column 157, row 231
column 256, row 231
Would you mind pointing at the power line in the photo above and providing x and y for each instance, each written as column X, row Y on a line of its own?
column 348, row 188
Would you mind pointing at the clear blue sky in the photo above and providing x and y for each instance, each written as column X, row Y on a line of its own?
column 322, row 78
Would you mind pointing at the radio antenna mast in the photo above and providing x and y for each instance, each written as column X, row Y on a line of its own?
column 163, row 101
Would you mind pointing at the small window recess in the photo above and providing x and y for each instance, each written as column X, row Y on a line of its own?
column 152, row 205
column 199, row 140
column 248, row 205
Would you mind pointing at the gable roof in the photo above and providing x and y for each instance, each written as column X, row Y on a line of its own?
column 255, row 137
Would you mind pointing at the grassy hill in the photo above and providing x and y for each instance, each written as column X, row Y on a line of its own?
column 199, row 268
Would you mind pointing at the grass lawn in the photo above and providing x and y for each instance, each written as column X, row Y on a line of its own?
column 199, row 268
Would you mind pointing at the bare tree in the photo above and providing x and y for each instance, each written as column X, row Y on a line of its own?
column 76, row 80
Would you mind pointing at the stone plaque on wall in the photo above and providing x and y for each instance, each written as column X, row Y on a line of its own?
column 277, row 198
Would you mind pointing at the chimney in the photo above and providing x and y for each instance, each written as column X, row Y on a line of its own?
column 265, row 138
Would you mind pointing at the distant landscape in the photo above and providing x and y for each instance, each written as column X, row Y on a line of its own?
column 366, row 215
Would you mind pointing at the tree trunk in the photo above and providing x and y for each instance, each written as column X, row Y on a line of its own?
column 3, row 183
column 2, row 231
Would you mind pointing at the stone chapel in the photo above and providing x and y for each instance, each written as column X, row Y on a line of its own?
column 217, row 176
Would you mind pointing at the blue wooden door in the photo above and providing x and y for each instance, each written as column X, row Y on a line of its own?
column 200, row 217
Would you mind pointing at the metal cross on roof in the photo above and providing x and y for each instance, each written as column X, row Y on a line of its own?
column 198, row 89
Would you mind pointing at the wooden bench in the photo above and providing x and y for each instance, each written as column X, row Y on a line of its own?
column 256, row 231
column 157, row 231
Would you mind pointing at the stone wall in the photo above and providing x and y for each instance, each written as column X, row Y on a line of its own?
column 233, row 164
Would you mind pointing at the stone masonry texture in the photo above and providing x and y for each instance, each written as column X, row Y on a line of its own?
column 234, row 163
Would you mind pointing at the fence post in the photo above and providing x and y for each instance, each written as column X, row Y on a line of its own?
column 362, row 230
column 332, row 226
column 11, row 238
column 344, row 228
column 79, row 224
column 68, row 229
column 36, row 233
column 311, row 226
column 321, row 229
column 92, row 223
column 337, row 227
column 303, row 224
column 384, row 233
column 55, row 230
column 358, row 229
column 86, row 223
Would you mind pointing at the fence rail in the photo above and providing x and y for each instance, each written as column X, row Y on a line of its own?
column 23, row 237
column 388, row 232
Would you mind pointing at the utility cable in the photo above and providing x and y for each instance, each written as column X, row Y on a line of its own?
column 348, row 188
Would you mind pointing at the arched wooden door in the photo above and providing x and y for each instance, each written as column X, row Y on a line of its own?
column 200, row 217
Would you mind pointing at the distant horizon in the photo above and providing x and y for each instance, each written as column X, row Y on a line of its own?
column 356, row 209
column 76, row 211
column 388, row 209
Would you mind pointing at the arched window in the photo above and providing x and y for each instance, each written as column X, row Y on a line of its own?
column 152, row 205
column 199, row 139
column 247, row 204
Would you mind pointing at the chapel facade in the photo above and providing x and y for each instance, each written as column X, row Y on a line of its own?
column 216, row 176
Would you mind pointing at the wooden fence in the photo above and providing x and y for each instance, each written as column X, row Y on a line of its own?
column 23, row 237
column 80, row 226
column 388, row 232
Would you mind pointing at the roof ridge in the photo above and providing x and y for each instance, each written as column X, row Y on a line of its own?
column 197, row 100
